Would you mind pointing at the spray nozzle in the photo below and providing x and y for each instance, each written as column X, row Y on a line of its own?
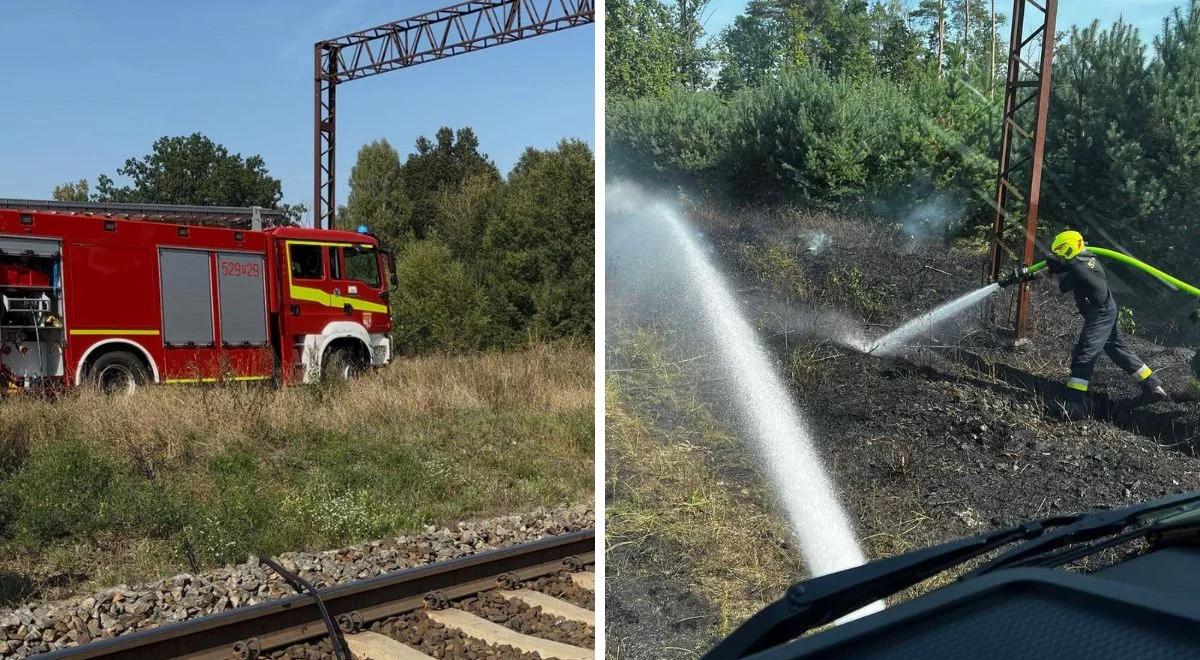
column 1021, row 274
column 1017, row 275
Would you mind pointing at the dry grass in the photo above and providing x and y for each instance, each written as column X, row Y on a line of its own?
column 183, row 423
column 210, row 473
column 672, row 501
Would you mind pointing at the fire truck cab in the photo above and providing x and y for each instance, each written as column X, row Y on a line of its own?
column 122, row 295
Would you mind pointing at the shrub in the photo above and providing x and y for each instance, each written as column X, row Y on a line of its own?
column 809, row 138
column 812, row 138
column 681, row 137
column 436, row 306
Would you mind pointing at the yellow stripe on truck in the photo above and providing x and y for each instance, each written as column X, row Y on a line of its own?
column 337, row 302
column 114, row 331
column 177, row 381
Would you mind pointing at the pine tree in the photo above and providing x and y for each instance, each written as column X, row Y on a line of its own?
column 931, row 16
column 753, row 48
column 970, row 21
column 1173, row 143
column 847, row 29
column 896, row 48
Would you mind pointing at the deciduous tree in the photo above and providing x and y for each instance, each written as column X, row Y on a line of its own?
column 377, row 195
column 193, row 169
column 640, row 49
column 541, row 248
column 72, row 192
column 440, row 165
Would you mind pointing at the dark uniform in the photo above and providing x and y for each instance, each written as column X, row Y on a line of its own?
column 1084, row 277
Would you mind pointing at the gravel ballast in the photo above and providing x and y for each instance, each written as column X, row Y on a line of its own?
column 561, row 586
column 42, row 627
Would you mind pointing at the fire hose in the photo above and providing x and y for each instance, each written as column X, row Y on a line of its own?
column 1026, row 273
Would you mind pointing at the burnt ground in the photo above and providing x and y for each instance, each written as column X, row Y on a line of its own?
column 937, row 444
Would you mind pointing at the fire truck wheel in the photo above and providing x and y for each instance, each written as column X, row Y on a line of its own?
column 341, row 364
column 118, row 371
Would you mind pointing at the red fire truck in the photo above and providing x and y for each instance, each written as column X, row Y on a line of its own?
column 121, row 295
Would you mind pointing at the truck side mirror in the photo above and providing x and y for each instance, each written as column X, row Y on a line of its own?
column 393, row 279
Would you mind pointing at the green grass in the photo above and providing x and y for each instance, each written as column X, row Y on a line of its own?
column 103, row 490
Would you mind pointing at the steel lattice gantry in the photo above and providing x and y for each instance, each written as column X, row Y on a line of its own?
column 1022, row 142
column 462, row 28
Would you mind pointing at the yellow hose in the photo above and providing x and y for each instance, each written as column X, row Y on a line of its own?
column 1170, row 280
column 1147, row 268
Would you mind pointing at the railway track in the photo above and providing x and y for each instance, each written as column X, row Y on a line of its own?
column 482, row 604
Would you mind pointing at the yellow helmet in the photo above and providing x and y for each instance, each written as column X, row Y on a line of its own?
column 1067, row 244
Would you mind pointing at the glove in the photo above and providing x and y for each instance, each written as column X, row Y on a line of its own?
column 1021, row 274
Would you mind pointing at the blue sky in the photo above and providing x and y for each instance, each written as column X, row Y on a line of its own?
column 1147, row 15
column 89, row 84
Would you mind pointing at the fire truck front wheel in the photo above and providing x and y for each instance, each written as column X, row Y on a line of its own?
column 118, row 371
column 341, row 364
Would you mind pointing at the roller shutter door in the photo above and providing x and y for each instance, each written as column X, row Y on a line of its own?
column 186, row 280
column 241, row 280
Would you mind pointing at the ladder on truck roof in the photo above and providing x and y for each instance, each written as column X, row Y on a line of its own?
column 225, row 216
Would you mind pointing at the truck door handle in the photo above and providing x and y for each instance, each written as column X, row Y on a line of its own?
column 348, row 309
column 295, row 310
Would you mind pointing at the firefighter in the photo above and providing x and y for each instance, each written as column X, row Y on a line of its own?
column 1078, row 271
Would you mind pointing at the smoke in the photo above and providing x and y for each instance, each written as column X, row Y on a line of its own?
column 801, row 321
column 923, row 212
column 817, row 241
column 933, row 216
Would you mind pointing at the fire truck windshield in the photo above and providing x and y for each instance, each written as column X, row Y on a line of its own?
column 362, row 264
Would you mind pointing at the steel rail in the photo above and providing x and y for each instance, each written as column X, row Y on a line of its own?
column 249, row 631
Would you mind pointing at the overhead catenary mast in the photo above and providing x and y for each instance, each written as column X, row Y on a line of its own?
column 1022, row 143
column 462, row 28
